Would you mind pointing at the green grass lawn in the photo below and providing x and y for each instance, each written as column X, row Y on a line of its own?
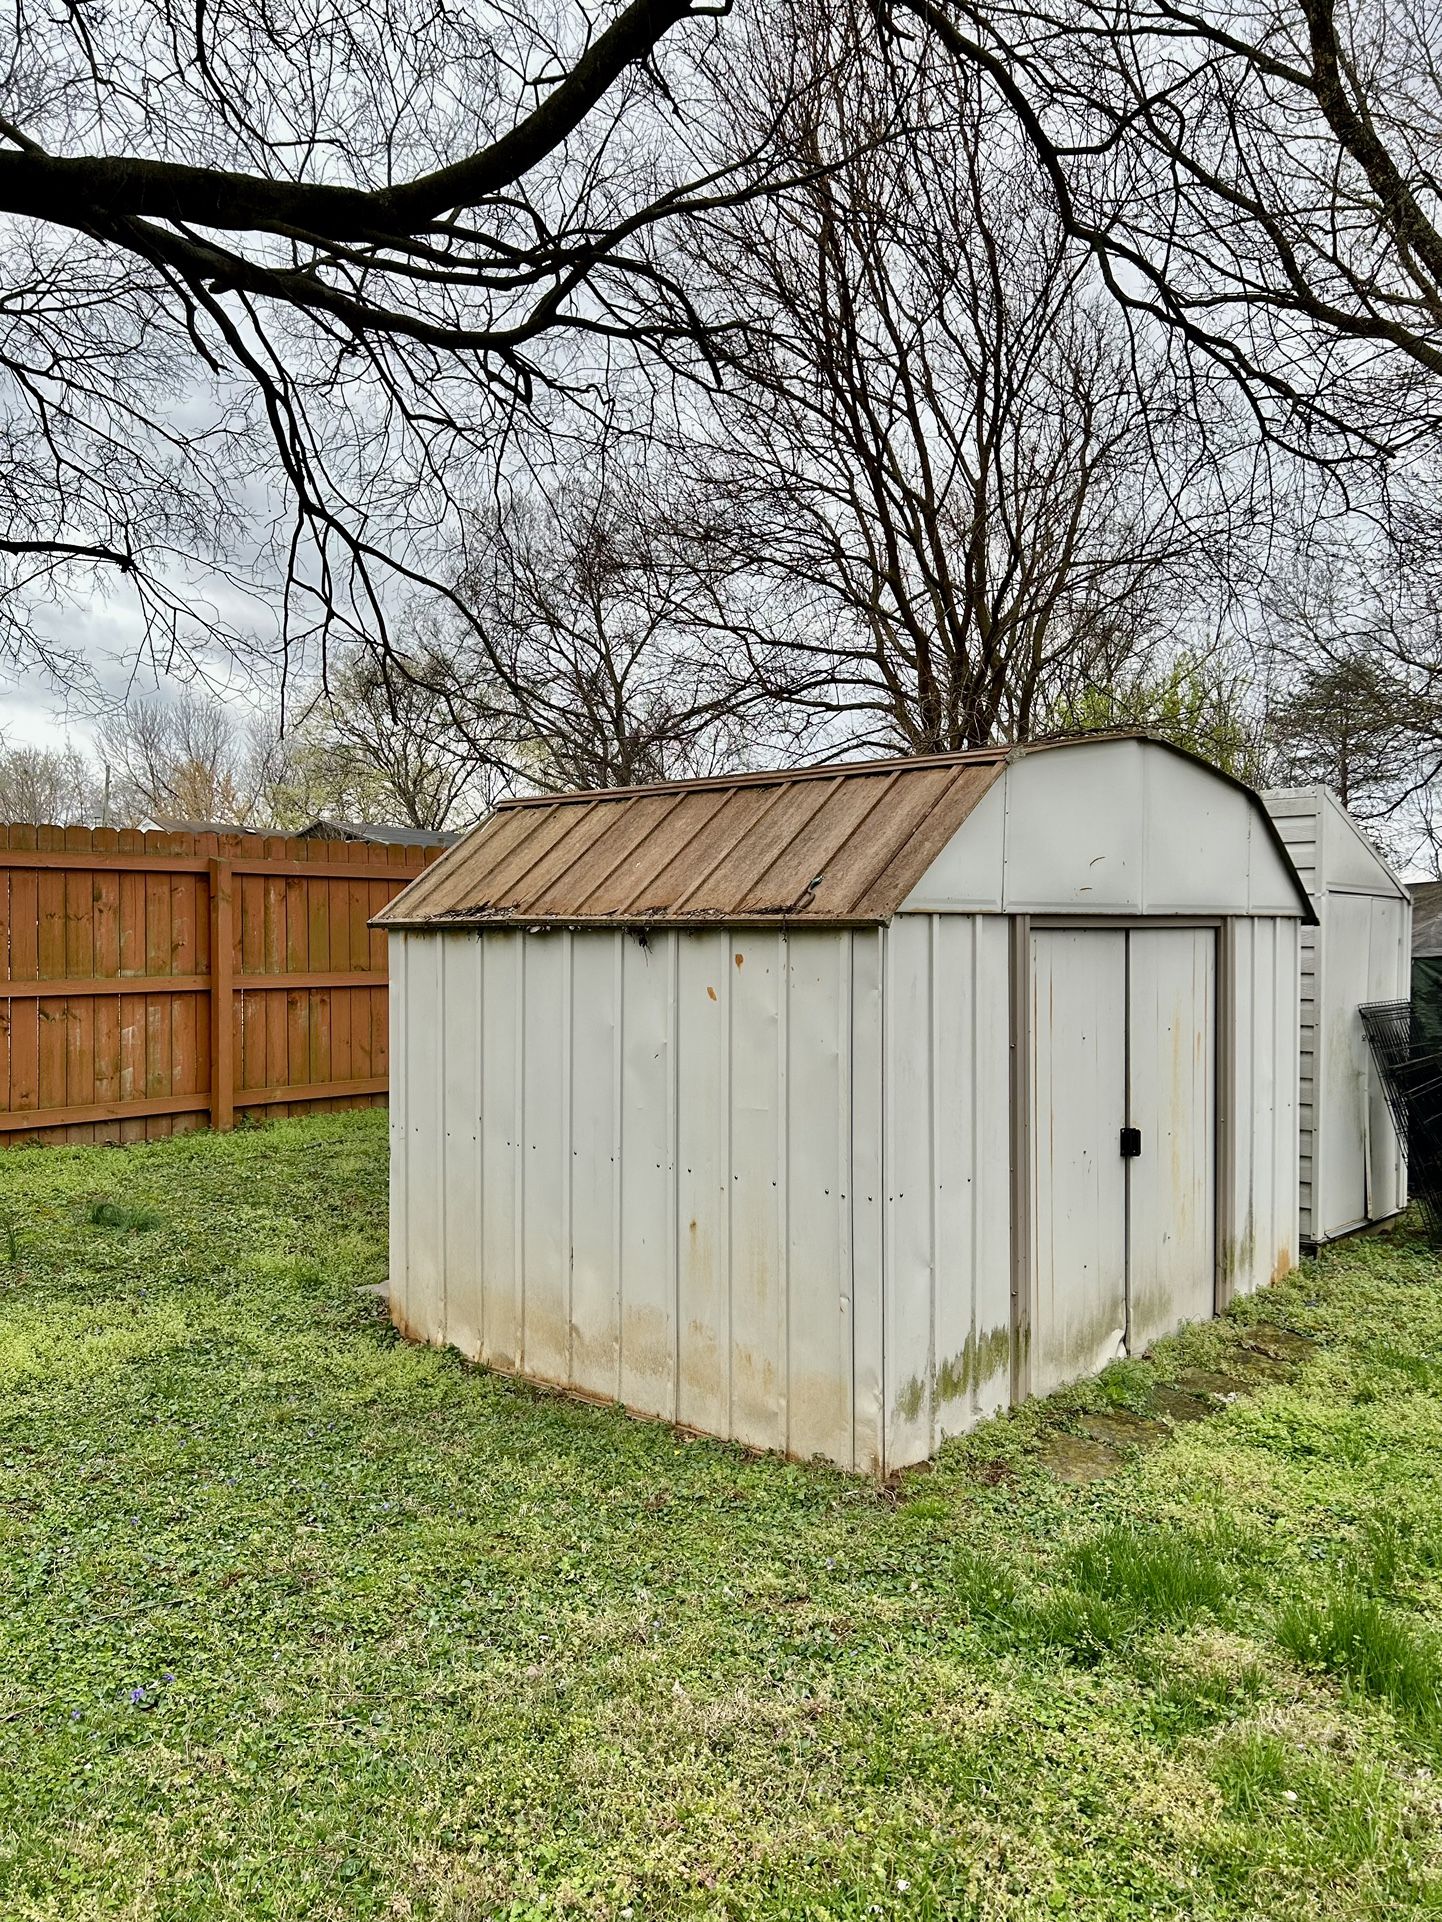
column 297, row 1620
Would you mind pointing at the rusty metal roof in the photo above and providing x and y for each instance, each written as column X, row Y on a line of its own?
column 840, row 845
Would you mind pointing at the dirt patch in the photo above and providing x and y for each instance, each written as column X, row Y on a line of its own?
column 1282, row 1344
column 1076, row 1458
column 1119, row 1429
column 1178, row 1406
column 1212, row 1381
column 1258, row 1362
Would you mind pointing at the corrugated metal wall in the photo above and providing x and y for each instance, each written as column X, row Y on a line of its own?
column 675, row 1175
column 1300, row 832
column 646, row 1195
column 947, row 1160
column 1258, row 1110
column 686, row 1166
column 1351, row 1167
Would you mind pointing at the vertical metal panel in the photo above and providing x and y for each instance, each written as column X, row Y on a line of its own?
column 1238, row 1130
column 758, row 982
column 947, row 1163
column 420, row 1069
column 1171, row 1075
column 1350, row 1167
column 1259, row 1118
column 1078, row 1104
column 545, row 1262
column 986, row 1010
column 594, row 1163
column 461, row 1156
column 1340, row 1162
column 817, row 1335
column 1266, row 1095
column 867, row 1192
column 1286, row 990
column 647, row 1243
column 956, row 1200
column 703, row 1178
column 1018, row 1134
column 1388, row 979
column 910, row 1052
column 498, row 1278
column 398, row 955
column 1354, row 1157
column 1312, row 1083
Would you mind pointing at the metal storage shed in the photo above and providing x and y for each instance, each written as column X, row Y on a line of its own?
column 797, row 1107
column 1352, row 1169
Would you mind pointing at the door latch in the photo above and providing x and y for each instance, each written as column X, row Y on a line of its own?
column 1131, row 1142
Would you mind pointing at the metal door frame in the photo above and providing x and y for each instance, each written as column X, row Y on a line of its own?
column 1023, row 926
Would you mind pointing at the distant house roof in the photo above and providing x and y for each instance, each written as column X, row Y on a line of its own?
column 838, row 845
column 381, row 832
column 208, row 827
column 1427, row 917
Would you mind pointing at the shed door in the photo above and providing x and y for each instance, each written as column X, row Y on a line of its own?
column 1172, row 1203
column 1123, row 1246
column 1079, row 1180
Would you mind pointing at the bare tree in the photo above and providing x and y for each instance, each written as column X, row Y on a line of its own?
column 1257, row 184
column 938, row 452
column 49, row 785
column 378, row 744
column 1259, row 178
column 193, row 758
column 1354, row 647
column 602, row 642
column 293, row 269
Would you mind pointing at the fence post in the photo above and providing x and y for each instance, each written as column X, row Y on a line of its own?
column 222, row 1051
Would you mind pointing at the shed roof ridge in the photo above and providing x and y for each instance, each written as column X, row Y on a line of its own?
column 773, row 777
column 742, row 847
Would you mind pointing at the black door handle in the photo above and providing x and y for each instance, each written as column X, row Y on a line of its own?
column 1131, row 1141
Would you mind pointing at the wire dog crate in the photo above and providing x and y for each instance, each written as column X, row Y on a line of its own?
column 1411, row 1071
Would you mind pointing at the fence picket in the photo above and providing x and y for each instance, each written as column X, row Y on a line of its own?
column 81, row 908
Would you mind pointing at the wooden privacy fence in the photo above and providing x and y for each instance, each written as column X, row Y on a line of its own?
column 153, row 982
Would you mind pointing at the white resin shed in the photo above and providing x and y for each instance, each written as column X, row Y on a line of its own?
column 1352, row 1168
column 832, row 1110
